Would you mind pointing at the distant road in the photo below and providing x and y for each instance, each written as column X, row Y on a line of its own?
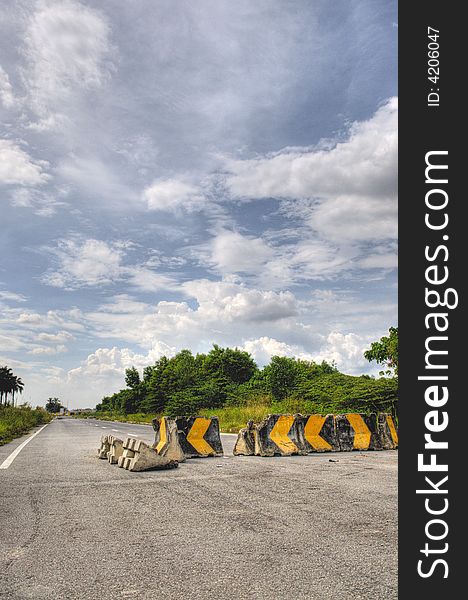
column 73, row 527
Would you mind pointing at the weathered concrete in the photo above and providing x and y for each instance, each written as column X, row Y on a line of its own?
column 199, row 436
column 281, row 435
column 320, row 433
column 104, row 447
column 387, row 431
column 115, row 449
column 138, row 456
column 166, row 441
column 245, row 443
column 357, row 432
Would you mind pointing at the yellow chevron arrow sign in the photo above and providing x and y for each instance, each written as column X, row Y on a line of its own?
column 312, row 431
column 195, row 436
column 162, row 435
column 362, row 434
column 393, row 431
column 279, row 434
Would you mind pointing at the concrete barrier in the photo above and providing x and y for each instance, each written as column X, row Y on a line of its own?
column 166, row 441
column 357, row 432
column 320, row 433
column 104, row 447
column 388, row 431
column 199, row 436
column 245, row 443
column 286, row 435
column 280, row 435
column 138, row 456
column 115, row 449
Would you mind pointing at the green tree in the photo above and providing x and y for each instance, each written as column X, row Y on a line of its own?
column 236, row 366
column 282, row 376
column 53, row 405
column 385, row 352
column 132, row 378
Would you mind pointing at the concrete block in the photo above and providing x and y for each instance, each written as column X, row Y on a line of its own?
column 320, row 433
column 280, row 435
column 245, row 443
column 166, row 441
column 138, row 456
column 104, row 447
column 357, row 432
column 387, row 431
column 199, row 436
column 115, row 449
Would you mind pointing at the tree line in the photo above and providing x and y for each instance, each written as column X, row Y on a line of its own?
column 10, row 386
column 188, row 383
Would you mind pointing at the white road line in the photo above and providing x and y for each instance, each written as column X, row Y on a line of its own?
column 133, row 434
column 102, row 427
column 7, row 462
column 115, row 430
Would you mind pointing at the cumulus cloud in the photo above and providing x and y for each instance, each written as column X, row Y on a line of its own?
column 263, row 348
column 346, row 350
column 172, row 195
column 362, row 165
column 103, row 372
column 350, row 188
column 232, row 252
column 231, row 301
column 18, row 168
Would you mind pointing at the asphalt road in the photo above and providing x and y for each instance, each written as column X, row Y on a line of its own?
column 75, row 527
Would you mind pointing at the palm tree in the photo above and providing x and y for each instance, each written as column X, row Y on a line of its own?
column 9, row 384
column 6, row 382
column 18, row 387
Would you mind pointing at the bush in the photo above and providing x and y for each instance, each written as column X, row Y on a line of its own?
column 15, row 421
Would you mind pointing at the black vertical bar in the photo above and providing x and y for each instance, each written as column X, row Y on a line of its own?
column 431, row 123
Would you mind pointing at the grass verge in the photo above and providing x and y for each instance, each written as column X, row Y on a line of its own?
column 16, row 421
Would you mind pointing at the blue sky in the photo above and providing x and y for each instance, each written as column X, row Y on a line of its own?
column 178, row 174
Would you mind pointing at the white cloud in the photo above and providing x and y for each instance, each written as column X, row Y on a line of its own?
column 90, row 262
column 362, row 165
column 350, row 189
column 18, row 168
column 346, row 350
column 263, row 348
column 48, row 350
column 232, row 252
column 223, row 300
column 147, row 280
column 172, row 195
column 67, row 51
column 56, row 338
column 86, row 263
column 6, row 91
column 42, row 203
column 103, row 372
column 12, row 297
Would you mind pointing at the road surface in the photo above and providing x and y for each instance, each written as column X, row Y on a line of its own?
column 73, row 527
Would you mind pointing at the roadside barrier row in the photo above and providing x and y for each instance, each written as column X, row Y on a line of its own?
column 287, row 435
column 284, row 435
column 175, row 440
